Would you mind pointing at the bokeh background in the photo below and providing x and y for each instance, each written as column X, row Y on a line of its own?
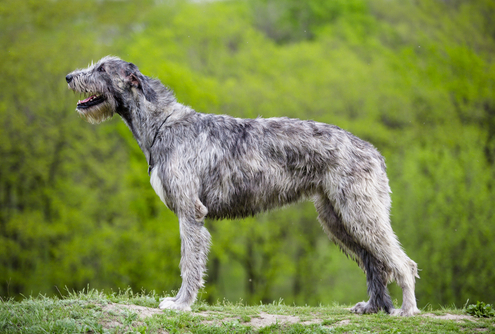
column 414, row 77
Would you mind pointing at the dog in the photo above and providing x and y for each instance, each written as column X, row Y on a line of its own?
column 218, row 166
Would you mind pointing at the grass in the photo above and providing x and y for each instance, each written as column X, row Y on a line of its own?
column 92, row 311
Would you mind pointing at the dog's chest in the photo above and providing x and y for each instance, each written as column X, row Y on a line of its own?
column 157, row 185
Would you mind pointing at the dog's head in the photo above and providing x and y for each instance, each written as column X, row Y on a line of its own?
column 109, row 86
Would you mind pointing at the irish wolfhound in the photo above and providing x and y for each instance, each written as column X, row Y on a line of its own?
column 217, row 166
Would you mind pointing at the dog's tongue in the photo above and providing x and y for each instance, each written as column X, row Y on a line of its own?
column 86, row 100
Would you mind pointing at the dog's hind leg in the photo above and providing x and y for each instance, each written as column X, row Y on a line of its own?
column 359, row 224
column 376, row 272
column 364, row 207
column 195, row 244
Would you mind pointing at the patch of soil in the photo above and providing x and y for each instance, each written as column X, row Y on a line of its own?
column 115, row 311
column 342, row 323
column 143, row 312
column 262, row 320
column 448, row 316
column 266, row 319
column 111, row 324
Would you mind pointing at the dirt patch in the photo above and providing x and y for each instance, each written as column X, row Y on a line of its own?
column 266, row 319
column 263, row 319
column 342, row 323
column 260, row 320
column 448, row 316
column 141, row 311
column 116, row 315
column 215, row 322
column 111, row 324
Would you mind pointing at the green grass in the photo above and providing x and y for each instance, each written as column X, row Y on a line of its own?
column 126, row 312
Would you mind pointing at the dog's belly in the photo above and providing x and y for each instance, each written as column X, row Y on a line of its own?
column 248, row 197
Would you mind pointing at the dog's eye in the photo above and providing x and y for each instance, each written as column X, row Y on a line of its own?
column 101, row 69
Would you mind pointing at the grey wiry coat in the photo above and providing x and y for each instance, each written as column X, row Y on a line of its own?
column 217, row 166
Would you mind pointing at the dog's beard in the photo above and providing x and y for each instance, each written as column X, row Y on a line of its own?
column 97, row 113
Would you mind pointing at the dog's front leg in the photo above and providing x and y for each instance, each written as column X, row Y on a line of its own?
column 195, row 243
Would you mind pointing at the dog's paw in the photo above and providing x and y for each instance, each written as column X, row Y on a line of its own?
column 360, row 308
column 364, row 308
column 171, row 303
column 398, row 312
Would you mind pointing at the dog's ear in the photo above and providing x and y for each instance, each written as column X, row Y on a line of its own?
column 136, row 79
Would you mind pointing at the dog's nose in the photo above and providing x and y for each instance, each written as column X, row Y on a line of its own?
column 68, row 78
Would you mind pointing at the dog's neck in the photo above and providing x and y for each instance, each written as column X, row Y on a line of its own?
column 146, row 127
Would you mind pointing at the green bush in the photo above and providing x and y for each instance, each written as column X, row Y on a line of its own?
column 481, row 310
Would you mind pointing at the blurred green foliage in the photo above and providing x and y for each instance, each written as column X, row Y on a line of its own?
column 415, row 78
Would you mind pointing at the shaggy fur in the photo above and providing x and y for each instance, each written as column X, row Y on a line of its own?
column 217, row 166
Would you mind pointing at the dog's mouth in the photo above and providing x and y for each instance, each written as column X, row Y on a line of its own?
column 91, row 101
